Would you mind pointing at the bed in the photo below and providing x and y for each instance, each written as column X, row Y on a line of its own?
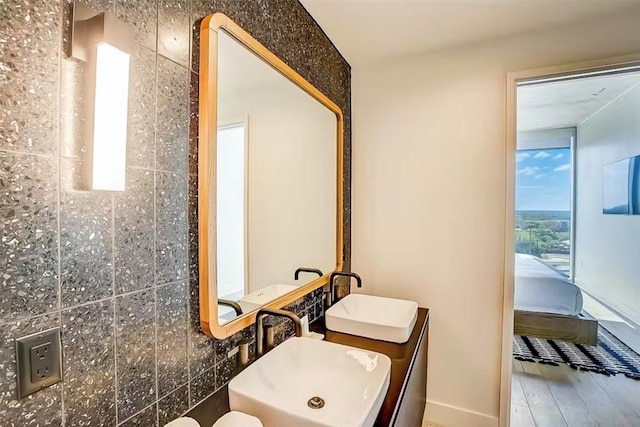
column 547, row 305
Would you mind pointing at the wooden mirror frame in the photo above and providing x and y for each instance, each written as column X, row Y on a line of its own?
column 208, row 102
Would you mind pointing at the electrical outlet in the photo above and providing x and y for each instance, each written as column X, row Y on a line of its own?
column 41, row 359
column 38, row 361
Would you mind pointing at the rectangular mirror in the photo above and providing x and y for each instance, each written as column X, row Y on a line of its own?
column 269, row 181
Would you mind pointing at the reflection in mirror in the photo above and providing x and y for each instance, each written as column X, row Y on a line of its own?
column 276, row 169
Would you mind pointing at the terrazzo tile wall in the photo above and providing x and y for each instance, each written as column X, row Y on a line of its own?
column 118, row 271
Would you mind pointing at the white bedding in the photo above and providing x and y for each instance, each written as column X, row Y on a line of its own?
column 540, row 288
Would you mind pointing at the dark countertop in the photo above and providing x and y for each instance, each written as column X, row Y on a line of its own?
column 401, row 355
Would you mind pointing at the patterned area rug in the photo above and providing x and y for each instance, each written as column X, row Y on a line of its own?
column 610, row 357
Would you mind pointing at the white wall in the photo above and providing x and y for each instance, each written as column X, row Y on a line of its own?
column 429, row 195
column 291, row 183
column 607, row 247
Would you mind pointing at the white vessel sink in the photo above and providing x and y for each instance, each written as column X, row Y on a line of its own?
column 277, row 387
column 257, row 299
column 378, row 318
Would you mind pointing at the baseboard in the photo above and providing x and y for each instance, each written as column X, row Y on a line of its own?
column 450, row 416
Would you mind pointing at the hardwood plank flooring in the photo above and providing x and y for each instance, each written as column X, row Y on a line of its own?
column 542, row 404
column 558, row 396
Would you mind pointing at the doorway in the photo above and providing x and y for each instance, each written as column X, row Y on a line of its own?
column 546, row 208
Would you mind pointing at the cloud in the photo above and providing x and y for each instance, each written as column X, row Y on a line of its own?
column 521, row 156
column 542, row 155
column 540, row 175
column 562, row 168
column 558, row 157
column 530, row 187
column 529, row 170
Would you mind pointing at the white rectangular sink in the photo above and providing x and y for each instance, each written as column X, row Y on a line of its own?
column 281, row 387
column 369, row 316
column 257, row 299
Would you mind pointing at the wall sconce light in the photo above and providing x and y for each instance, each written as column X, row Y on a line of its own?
column 106, row 45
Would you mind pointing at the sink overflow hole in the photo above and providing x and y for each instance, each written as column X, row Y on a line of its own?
column 315, row 402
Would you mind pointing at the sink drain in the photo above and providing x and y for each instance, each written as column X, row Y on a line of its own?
column 315, row 402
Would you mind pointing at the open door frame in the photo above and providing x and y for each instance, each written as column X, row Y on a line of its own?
column 512, row 81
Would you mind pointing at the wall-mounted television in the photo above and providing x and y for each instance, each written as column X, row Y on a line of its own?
column 621, row 187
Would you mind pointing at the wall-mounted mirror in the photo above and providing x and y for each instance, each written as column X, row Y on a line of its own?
column 270, row 180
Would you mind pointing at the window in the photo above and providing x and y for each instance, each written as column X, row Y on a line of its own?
column 543, row 205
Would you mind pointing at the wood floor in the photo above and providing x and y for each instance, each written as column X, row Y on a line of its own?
column 558, row 396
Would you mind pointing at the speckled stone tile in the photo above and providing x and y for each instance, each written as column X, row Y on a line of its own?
column 202, row 386
column 147, row 418
column 97, row 5
column 171, row 227
column 86, row 236
column 173, row 405
column 193, row 225
column 202, row 352
column 172, row 336
column 136, row 352
column 141, row 127
column 29, row 239
column 194, row 87
column 89, row 365
column 225, row 371
column 29, row 54
column 143, row 16
column 133, row 232
column 172, row 138
column 41, row 409
column 173, row 30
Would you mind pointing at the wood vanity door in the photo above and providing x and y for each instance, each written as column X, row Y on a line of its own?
column 410, row 412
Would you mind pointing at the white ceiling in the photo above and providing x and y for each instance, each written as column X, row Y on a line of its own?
column 568, row 103
column 373, row 30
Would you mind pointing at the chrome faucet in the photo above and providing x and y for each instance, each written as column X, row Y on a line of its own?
column 260, row 336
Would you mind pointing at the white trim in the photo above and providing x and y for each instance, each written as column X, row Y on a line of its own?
column 450, row 416
column 510, row 173
column 572, row 232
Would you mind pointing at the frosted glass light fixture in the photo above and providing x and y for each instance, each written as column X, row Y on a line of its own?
column 105, row 44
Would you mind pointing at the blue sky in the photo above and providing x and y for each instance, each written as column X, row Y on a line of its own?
column 543, row 180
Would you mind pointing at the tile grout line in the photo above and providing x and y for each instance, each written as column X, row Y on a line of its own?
column 113, row 298
column 189, row 254
column 188, row 323
column 58, row 197
column 26, row 153
column 85, row 304
column 155, row 213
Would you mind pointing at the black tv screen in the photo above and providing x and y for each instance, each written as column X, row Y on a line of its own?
column 621, row 187
column 634, row 185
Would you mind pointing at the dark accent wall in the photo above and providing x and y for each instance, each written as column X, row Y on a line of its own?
column 118, row 271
